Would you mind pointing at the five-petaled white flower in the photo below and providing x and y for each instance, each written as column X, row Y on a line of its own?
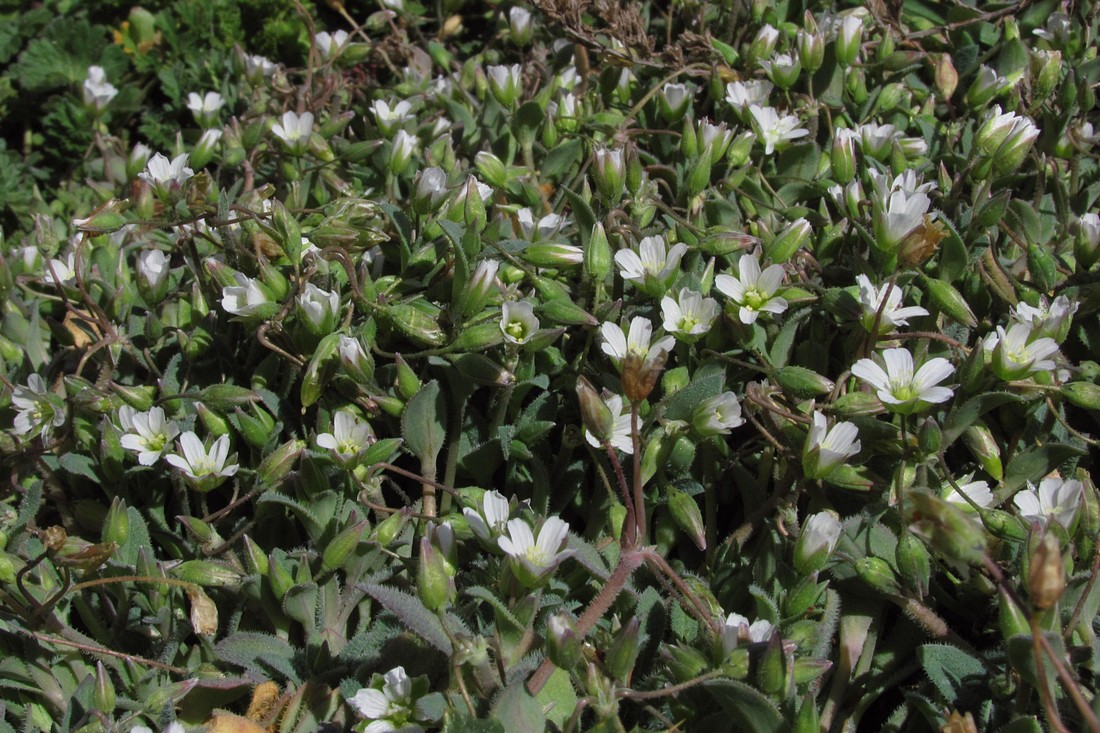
column 620, row 436
column 897, row 216
column 148, row 433
column 883, row 305
column 717, row 415
column 331, row 44
column 204, row 470
column 901, row 389
column 1016, row 353
column 320, row 308
column 97, row 91
column 389, row 705
column 1055, row 499
column 752, row 289
column 688, row 315
column 389, row 119
column 60, row 270
column 744, row 94
column 1048, row 318
column 816, row 542
column 490, row 521
column 518, row 322
column 205, row 108
column 737, row 630
column 533, row 559
column 248, row 298
column 619, row 344
column 775, row 131
column 37, row 412
column 294, row 130
column 537, row 231
column 504, row 83
column 349, row 437
column 653, row 266
column 164, row 175
column 826, row 448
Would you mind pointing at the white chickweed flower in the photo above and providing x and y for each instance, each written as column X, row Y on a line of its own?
column 635, row 340
column 826, row 448
column 901, row 389
column 205, row 108
column 620, row 436
column 775, row 131
column 752, row 289
column 1055, row 499
column 37, row 412
column 532, row 560
column 294, row 130
column 148, row 433
column 97, row 91
column 718, row 415
column 689, row 315
column 653, row 266
column 889, row 315
column 489, row 523
column 348, row 439
column 518, row 322
column 204, row 470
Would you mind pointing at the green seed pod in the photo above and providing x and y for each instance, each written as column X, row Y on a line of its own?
column 139, row 397
column 321, row 367
column 255, row 559
column 434, row 585
column 854, row 404
column 950, row 301
column 563, row 645
column 116, row 525
column 420, row 326
column 276, row 465
column 103, row 694
column 279, row 576
column 1003, row 525
column 482, row 370
column 478, row 336
column 689, row 144
column 878, row 574
column 594, row 411
column 199, row 530
column 930, row 437
column 802, row 597
column 1011, row 618
column 685, row 511
column 257, row 428
column 807, row 720
column 597, row 255
column 771, row 675
column 685, row 663
column 1082, row 394
column 341, row 546
column 111, row 453
column 408, row 384
column 622, row 655
column 206, row 573
column 215, row 423
column 1043, row 269
column 386, row 531
column 802, row 382
column 1046, row 577
column 914, row 562
column 567, row 313
column 984, row 448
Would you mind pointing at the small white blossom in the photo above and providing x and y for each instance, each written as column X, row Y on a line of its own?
column 205, row 108
column 294, row 130
column 775, row 131
column 148, row 433
column 491, row 520
column 621, row 433
column 689, row 314
column 320, row 308
column 826, row 448
column 718, row 415
column 535, row 557
column 877, row 140
column 545, row 228
column 634, row 341
column 900, row 215
column 257, row 68
column 889, row 315
column 163, row 174
column 349, row 437
column 152, row 268
column 977, row 491
column 520, row 25
column 36, row 412
column 61, row 270
column 246, row 298
column 742, row 95
column 518, row 322
column 389, row 707
column 331, row 44
column 388, row 118
column 203, row 469
column 654, row 263
column 899, row 387
column 1016, row 353
column 97, row 91
column 1048, row 318
column 737, row 630
column 816, row 542
column 752, row 289
column 1055, row 499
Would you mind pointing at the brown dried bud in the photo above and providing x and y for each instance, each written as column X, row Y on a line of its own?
column 639, row 376
column 1046, row 577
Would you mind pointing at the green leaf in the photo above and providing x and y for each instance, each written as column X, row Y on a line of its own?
column 423, row 423
column 562, row 158
column 583, row 214
column 709, row 380
column 518, row 710
column 963, row 416
column 950, row 669
column 411, row 612
column 462, row 722
column 79, row 464
column 255, row 652
column 558, row 698
column 526, row 122
column 750, row 710
column 1034, row 463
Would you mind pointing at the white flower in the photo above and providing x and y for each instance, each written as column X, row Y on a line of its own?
column 1054, row 499
column 689, row 314
column 1048, row 318
column 294, row 130
column 783, row 69
column 816, row 542
column 162, row 174
column 61, row 271
column 635, row 340
column 744, row 94
column 389, row 118
column 977, row 491
column 897, row 217
column 536, row 557
column 653, row 264
column 889, row 316
column 331, row 44
column 204, row 108
column 898, row 387
column 753, row 290
column 257, row 68
column 204, row 470
column 504, row 83
column 391, row 703
column 148, row 433
column 36, row 412
column 620, row 436
column 545, row 228
column 320, row 308
column 349, row 437
column 718, row 415
column 490, row 521
column 97, row 91
column 737, row 630
column 775, row 131
column 519, row 23
column 1016, row 353
column 877, row 140
column 246, row 298
column 518, row 322
column 827, row 448
column 908, row 181
column 152, row 267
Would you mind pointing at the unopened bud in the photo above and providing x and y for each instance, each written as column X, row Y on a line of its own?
column 594, row 411
column 1046, row 577
column 563, row 645
column 984, row 447
column 685, row 512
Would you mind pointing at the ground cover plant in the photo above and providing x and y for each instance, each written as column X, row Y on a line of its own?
column 571, row 365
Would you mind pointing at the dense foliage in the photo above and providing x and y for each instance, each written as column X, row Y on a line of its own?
column 579, row 365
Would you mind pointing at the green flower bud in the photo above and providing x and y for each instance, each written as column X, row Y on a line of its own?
column 340, row 547
column 255, row 560
column 622, row 655
column 816, row 542
column 948, row 530
column 802, row 382
column 849, row 39
column 563, row 645
column 206, row 573
column 597, row 255
column 878, row 574
column 685, row 511
column 789, row 241
column 772, row 674
column 984, row 448
column 116, row 525
column 103, row 694
column 810, row 44
column 914, row 562
column 277, row 465
column 950, row 301
column 609, row 173
column 594, row 411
